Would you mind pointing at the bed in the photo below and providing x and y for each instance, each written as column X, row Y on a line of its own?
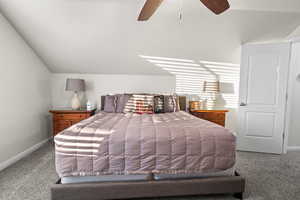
column 151, row 155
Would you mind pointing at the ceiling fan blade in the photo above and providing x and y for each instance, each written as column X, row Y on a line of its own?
column 149, row 9
column 217, row 6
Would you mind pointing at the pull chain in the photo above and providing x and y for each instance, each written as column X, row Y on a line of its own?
column 180, row 11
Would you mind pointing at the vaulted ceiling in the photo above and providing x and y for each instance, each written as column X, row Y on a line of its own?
column 103, row 36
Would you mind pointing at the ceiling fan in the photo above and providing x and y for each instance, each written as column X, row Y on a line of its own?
column 216, row 6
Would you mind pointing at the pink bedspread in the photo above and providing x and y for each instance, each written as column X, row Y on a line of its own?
column 115, row 143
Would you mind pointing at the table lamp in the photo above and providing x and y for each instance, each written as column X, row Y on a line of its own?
column 212, row 88
column 75, row 85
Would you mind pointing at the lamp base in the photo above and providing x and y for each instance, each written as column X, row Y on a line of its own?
column 75, row 104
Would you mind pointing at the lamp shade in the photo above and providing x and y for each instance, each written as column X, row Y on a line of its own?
column 75, row 85
column 211, row 86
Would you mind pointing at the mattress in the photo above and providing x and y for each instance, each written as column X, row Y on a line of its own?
column 122, row 178
column 134, row 144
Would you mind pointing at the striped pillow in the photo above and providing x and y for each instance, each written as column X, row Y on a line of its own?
column 139, row 103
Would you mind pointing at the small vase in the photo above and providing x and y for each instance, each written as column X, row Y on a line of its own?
column 75, row 102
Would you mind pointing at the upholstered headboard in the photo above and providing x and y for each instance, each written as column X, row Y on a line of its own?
column 102, row 102
column 182, row 103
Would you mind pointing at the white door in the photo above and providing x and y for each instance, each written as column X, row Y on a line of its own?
column 263, row 95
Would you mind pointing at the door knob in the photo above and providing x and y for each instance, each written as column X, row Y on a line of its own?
column 243, row 104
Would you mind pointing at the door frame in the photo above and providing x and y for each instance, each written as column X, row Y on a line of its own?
column 287, row 109
column 292, row 68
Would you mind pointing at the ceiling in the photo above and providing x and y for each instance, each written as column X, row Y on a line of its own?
column 103, row 36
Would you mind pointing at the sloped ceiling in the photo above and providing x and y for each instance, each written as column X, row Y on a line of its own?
column 103, row 36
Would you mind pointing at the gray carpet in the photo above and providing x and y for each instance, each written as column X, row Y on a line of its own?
column 269, row 177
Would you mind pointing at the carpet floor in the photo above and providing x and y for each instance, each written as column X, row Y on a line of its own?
column 269, row 177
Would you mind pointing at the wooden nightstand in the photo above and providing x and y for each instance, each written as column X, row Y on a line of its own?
column 63, row 119
column 216, row 116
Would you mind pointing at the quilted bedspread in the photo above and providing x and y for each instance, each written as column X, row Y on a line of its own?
column 117, row 143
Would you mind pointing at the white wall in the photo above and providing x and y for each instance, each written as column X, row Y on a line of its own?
column 98, row 85
column 294, row 98
column 25, row 95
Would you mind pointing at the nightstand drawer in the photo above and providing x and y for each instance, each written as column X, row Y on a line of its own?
column 216, row 116
column 75, row 121
column 220, row 122
column 61, row 125
column 70, row 116
column 63, row 119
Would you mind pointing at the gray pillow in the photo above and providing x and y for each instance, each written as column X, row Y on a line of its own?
column 110, row 103
column 122, row 99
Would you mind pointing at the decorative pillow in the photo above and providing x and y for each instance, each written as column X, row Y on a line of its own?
column 110, row 103
column 171, row 103
column 159, row 104
column 122, row 99
column 139, row 103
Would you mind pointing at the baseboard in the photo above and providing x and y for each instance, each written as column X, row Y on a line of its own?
column 21, row 155
column 293, row 148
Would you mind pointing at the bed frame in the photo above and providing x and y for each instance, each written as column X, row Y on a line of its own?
column 234, row 185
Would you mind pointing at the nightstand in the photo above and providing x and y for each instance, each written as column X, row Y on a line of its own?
column 216, row 116
column 64, row 118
